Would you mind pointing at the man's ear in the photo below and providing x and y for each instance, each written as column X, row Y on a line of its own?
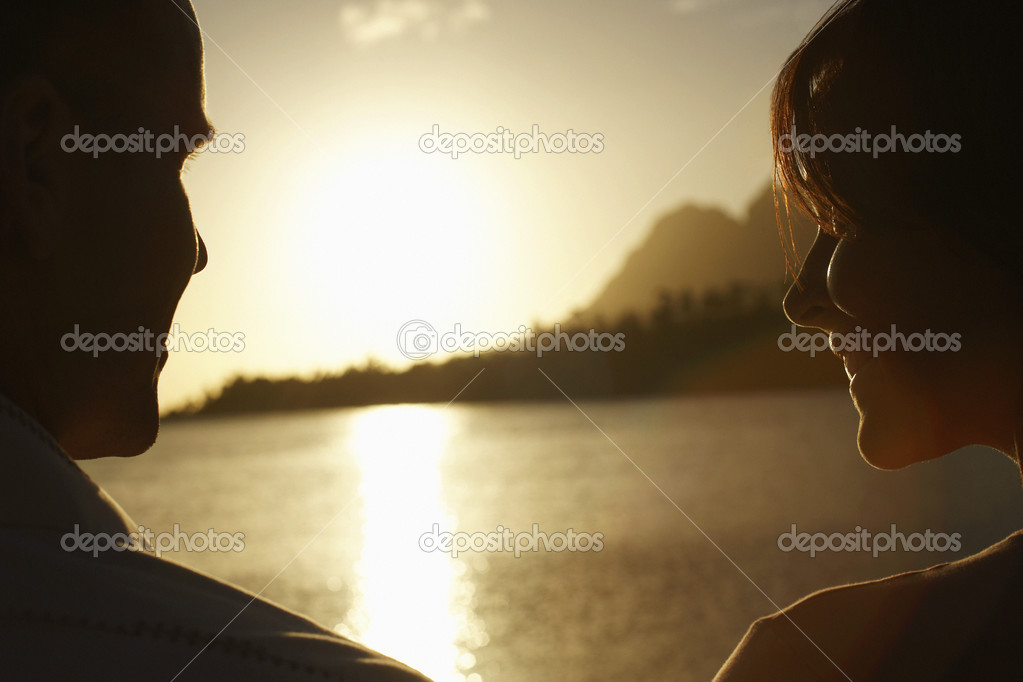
column 33, row 120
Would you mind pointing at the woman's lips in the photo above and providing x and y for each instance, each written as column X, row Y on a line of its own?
column 854, row 361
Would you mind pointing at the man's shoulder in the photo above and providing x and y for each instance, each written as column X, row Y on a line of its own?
column 127, row 615
column 915, row 625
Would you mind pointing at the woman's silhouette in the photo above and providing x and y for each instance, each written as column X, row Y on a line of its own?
column 892, row 129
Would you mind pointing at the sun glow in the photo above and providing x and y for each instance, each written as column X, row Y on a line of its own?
column 411, row 604
column 382, row 238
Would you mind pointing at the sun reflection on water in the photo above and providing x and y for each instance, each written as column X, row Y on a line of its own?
column 410, row 604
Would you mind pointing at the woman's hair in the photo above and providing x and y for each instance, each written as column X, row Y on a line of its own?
column 938, row 78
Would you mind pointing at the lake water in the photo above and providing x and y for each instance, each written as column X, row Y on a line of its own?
column 689, row 496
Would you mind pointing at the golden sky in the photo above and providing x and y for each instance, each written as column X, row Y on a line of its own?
column 333, row 228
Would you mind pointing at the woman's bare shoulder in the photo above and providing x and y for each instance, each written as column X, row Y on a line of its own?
column 917, row 625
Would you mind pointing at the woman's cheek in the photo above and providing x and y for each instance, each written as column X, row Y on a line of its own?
column 851, row 283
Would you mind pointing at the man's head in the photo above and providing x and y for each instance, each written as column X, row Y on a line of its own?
column 105, row 242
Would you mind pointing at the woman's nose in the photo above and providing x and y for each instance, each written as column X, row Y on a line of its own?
column 807, row 302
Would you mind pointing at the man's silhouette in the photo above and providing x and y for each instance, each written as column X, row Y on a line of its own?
column 105, row 243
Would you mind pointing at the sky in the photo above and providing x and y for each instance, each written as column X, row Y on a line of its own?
column 333, row 228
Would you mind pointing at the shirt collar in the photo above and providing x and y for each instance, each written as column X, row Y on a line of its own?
column 41, row 487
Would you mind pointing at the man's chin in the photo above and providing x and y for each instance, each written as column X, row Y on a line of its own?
column 123, row 428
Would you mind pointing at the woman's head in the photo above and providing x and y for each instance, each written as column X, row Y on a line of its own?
column 891, row 128
column 943, row 73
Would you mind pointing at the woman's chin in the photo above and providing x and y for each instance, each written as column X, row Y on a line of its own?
column 894, row 439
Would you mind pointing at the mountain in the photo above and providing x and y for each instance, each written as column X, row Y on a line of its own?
column 699, row 249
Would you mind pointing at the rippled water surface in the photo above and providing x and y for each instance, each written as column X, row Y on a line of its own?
column 684, row 499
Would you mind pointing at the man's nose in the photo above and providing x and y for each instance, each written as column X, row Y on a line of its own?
column 202, row 257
